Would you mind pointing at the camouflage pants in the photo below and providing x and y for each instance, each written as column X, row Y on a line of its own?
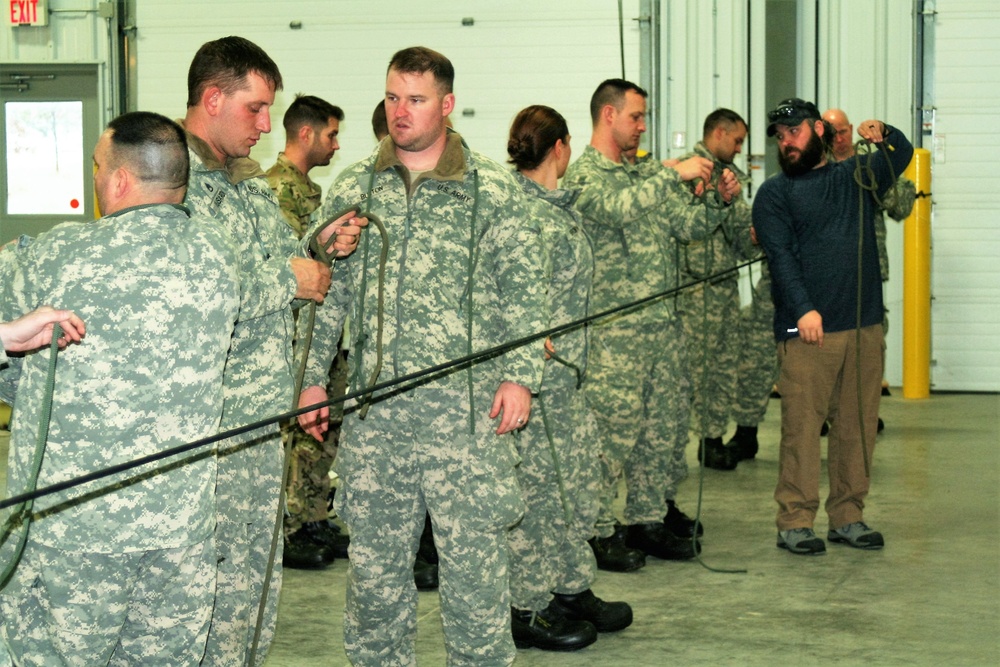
column 413, row 454
column 639, row 393
column 247, row 512
column 308, row 487
column 758, row 365
column 138, row 608
column 710, row 315
column 559, row 476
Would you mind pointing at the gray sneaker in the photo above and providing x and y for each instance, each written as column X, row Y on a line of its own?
column 801, row 541
column 857, row 535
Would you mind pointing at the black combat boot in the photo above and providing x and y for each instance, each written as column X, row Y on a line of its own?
column 585, row 606
column 301, row 553
column 655, row 540
column 549, row 631
column 744, row 442
column 425, row 575
column 680, row 524
column 715, row 455
column 328, row 534
column 612, row 554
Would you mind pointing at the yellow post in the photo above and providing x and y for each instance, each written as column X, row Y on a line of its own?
column 917, row 282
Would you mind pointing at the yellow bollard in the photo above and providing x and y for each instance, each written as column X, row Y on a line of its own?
column 917, row 281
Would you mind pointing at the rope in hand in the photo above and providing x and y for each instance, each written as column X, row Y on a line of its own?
column 863, row 170
column 402, row 382
column 20, row 518
column 321, row 255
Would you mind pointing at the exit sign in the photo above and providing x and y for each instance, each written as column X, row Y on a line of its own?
column 28, row 12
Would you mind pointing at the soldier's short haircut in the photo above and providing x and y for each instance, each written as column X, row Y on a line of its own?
column 533, row 133
column 724, row 117
column 420, row 59
column 380, row 124
column 226, row 63
column 612, row 91
column 309, row 110
column 150, row 146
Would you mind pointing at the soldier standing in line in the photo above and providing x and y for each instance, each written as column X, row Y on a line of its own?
column 757, row 370
column 552, row 566
column 463, row 274
column 231, row 87
column 122, row 570
column 311, row 539
column 636, row 385
column 710, row 310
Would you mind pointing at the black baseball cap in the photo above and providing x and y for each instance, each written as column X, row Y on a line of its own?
column 791, row 112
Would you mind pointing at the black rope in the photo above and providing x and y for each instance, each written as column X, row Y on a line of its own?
column 401, row 383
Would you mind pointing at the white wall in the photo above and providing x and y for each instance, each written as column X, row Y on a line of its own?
column 965, row 229
column 555, row 52
column 517, row 53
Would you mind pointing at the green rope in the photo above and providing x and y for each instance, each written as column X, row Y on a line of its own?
column 863, row 170
column 556, row 465
column 21, row 514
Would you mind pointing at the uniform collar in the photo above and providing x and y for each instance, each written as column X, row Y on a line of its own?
column 450, row 166
column 237, row 169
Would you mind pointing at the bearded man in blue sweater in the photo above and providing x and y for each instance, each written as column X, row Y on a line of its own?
column 817, row 227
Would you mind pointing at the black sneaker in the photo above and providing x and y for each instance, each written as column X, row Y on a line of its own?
column 549, row 631
column 680, row 524
column 585, row 606
column 612, row 554
column 655, row 540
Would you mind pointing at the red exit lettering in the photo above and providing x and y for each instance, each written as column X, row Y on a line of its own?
column 23, row 11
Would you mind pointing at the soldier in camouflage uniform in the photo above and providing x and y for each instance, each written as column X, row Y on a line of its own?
column 464, row 273
column 231, row 87
column 710, row 310
column 757, row 370
column 126, row 564
column 311, row 129
column 552, row 565
column 636, row 384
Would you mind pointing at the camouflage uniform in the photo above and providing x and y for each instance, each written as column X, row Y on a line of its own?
column 710, row 311
column 258, row 384
column 758, row 363
column 10, row 367
column 464, row 273
column 297, row 195
column 636, row 384
column 897, row 203
column 122, row 569
column 560, row 469
column 309, row 478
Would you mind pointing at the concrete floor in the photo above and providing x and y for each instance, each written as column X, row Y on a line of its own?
column 931, row 597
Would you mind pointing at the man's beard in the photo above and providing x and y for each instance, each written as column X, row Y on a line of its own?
column 811, row 156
